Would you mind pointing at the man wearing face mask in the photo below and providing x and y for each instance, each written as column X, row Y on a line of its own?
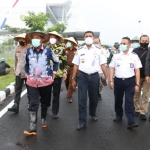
column 87, row 62
column 141, row 105
column 70, row 52
column 127, row 80
column 134, row 43
column 97, row 43
column 55, row 44
column 19, row 72
column 40, row 77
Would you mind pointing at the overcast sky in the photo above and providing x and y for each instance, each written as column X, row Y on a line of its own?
column 113, row 18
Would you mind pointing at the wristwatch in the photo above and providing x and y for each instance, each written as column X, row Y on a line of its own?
column 138, row 85
column 73, row 78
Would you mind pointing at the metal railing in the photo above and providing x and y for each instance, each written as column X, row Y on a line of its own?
column 7, row 52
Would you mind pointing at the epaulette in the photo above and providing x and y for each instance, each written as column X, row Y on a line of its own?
column 97, row 47
column 80, row 48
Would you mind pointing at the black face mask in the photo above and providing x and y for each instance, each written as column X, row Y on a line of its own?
column 144, row 45
column 22, row 43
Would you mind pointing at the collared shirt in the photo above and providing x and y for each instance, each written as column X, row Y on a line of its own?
column 37, row 67
column 125, row 64
column 139, row 51
column 89, row 60
column 103, row 52
column 60, row 53
column 20, row 55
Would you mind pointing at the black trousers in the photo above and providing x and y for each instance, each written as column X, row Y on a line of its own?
column 121, row 88
column 18, row 89
column 37, row 95
column 56, row 93
column 87, row 84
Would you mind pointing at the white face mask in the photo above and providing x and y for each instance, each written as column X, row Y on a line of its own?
column 52, row 40
column 98, row 45
column 89, row 40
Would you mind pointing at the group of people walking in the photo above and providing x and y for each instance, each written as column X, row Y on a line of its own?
column 44, row 64
column 42, row 67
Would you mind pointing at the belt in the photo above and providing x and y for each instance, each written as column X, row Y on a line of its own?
column 125, row 78
column 89, row 74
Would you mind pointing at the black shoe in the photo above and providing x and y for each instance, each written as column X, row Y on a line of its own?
column 80, row 127
column 14, row 108
column 132, row 125
column 99, row 97
column 137, row 114
column 69, row 100
column 143, row 117
column 94, row 118
column 117, row 119
column 54, row 116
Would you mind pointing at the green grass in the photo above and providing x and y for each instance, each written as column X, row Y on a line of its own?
column 7, row 79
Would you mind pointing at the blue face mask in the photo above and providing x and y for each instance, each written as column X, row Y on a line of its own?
column 123, row 47
column 68, row 45
column 135, row 45
column 36, row 42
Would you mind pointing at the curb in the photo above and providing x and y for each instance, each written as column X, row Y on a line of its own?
column 7, row 91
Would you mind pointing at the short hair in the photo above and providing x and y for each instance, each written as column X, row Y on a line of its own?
column 127, row 38
column 144, row 36
column 89, row 32
column 98, row 39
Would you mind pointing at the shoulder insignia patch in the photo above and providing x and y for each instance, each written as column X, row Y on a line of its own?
column 80, row 48
column 97, row 47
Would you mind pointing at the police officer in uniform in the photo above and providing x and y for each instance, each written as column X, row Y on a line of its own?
column 88, row 61
column 127, row 78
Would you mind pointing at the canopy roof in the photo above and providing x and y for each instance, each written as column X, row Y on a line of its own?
column 58, row 11
column 79, row 35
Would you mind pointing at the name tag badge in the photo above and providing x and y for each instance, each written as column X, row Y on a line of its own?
column 131, row 65
column 93, row 62
column 82, row 60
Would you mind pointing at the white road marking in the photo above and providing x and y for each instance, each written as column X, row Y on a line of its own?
column 2, row 112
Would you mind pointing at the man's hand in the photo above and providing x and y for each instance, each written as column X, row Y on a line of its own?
column 74, row 84
column 64, row 76
column 54, row 75
column 147, row 79
column 137, row 89
column 111, row 84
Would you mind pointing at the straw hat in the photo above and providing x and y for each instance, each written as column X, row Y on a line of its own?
column 71, row 39
column 23, row 35
column 44, row 36
column 60, row 38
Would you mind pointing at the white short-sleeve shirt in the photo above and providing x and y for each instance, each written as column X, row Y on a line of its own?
column 89, row 60
column 125, row 64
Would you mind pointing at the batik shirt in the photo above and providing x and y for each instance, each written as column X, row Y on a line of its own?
column 37, row 67
column 60, row 53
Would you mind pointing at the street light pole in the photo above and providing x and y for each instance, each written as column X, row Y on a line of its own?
column 139, row 27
